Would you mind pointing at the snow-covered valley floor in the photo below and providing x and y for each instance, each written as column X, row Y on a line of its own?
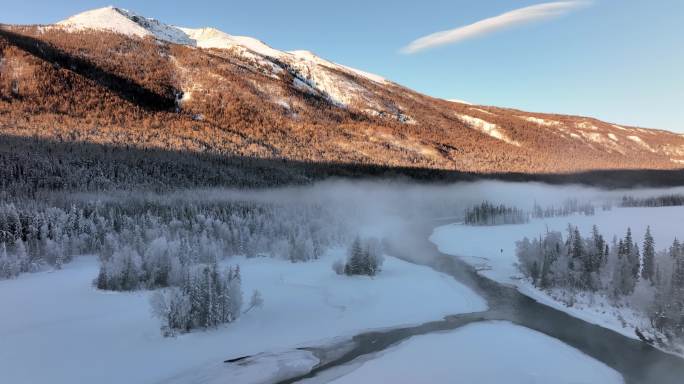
column 486, row 352
column 55, row 327
column 491, row 250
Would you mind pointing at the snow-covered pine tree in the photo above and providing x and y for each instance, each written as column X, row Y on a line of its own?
column 675, row 249
column 635, row 261
column 216, row 293
column 21, row 256
column 577, row 247
column 172, row 306
column 599, row 248
column 627, row 242
column 206, row 299
column 626, row 267
column 233, row 293
column 355, row 262
column 648, row 264
column 102, row 279
column 678, row 268
column 374, row 256
column 529, row 256
column 131, row 263
column 14, row 227
column 7, row 268
column 593, row 260
column 622, row 283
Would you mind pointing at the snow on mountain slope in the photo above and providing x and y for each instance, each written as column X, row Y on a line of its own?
column 540, row 121
column 487, row 128
column 319, row 73
column 214, row 38
column 609, row 137
column 308, row 56
column 640, row 142
column 313, row 70
column 108, row 18
column 459, row 101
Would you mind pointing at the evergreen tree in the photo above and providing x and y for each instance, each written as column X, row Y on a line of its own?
column 355, row 261
column 233, row 294
column 577, row 248
column 678, row 267
column 628, row 239
column 675, row 249
column 544, row 273
column 364, row 257
column 102, row 280
column 648, row 267
column 22, row 256
column 599, row 249
column 6, row 264
column 635, row 261
column 624, row 278
column 14, row 226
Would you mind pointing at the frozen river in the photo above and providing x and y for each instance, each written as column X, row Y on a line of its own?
column 636, row 361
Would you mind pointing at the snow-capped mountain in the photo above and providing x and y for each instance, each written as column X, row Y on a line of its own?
column 323, row 75
column 114, row 77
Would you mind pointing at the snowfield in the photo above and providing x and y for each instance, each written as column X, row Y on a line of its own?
column 269, row 367
column 487, row 128
column 55, row 327
column 491, row 250
column 472, row 355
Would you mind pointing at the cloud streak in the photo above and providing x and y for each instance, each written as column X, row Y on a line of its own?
column 519, row 16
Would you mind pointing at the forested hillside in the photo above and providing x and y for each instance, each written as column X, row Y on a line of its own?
column 227, row 107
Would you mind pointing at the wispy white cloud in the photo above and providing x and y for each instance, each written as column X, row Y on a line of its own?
column 519, row 16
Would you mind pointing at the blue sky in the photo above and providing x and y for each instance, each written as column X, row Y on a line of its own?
column 618, row 60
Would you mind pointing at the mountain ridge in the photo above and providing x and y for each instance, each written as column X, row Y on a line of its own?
column 237, row 96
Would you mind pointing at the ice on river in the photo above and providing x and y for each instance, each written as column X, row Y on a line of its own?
column 487, row 352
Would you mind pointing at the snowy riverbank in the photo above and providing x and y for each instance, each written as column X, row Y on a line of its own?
column 74, row 333
column 491, row 250
column 487, row 352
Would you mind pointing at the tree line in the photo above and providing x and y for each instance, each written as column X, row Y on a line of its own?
column 567, row 208
column 174, row 245
column 654, row 201
column 487, row 213
column 650, row 281
column 142, row 244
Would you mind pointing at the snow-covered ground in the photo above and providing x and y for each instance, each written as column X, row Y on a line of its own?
column 54, row 327
column 491, row 249
column 488, row 352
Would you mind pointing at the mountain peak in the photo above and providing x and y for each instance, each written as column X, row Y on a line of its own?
column 129, row 23
column 125, row 22
column 108, row 18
